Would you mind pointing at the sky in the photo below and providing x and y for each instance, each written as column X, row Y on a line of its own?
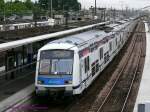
column 119, row 4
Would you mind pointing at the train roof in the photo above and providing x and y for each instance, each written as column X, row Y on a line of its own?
column 119, row 25
column 113, row 25
column 123, row 21
column 41, row 22
column 78, row 39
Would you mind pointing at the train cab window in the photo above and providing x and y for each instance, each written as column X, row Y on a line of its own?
column 86, row 64
column 44, row 66
column 56, row 62
column 101, row 53
column 110, row 46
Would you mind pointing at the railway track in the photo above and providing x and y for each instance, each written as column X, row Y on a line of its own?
column 117, row 97
column 132, row 97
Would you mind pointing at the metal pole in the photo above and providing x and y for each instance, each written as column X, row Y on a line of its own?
column 4, row 17
column 51, row 8
column 104, row 14
column 95, row 7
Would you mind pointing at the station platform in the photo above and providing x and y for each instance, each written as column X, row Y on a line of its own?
column 144, row 89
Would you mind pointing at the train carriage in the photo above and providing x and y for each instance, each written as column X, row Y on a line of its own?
column 71, row 64
column 18, row 26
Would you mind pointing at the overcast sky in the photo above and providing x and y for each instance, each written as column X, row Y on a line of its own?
column 116, row 3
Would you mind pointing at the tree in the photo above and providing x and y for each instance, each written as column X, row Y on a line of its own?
column 2, row 5
column 43, row 4
column 60, row 4
column 2, row 10
column 16, row 7
column 29, row 4
column 36, row 11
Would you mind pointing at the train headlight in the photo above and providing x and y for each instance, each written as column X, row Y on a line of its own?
column 68, row 82
column 40, row 82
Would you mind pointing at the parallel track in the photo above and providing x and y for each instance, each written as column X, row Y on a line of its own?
column 115, row 89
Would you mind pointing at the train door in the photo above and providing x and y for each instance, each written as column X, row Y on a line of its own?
column 82, row 74
column 101, row 56
column 87, row 71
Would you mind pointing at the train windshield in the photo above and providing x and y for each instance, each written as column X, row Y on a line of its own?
column 56, row 62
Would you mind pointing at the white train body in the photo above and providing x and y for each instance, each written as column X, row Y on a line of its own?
column 8, row 27
column 71, row 64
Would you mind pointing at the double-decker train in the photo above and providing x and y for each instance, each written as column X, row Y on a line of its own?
column 71, row 64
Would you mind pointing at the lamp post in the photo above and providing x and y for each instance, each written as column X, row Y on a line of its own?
column 95, row 7
column 51, row 8
column 66, row 15
column 4, row 15
column 92, row 12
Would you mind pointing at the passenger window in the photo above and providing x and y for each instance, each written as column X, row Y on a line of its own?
column 110, row 46
column 86, row 64
column 106, row 57
column 85, row 69
column 116, row 41
column 97, row 67
column 101, row 53
column 93, row 70
column 120, row 37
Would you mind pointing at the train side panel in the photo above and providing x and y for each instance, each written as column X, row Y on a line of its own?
column 103, row 55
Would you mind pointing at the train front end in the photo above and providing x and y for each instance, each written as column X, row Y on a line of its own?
column 57, row 69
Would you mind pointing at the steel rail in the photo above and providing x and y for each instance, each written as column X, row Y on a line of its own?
column 132, row 82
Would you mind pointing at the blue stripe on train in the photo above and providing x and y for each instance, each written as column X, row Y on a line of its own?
column 54, row 81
